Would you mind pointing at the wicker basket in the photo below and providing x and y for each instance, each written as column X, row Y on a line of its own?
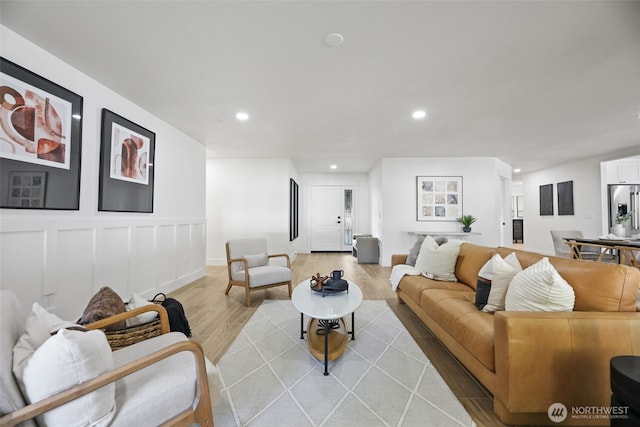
column 124, row 337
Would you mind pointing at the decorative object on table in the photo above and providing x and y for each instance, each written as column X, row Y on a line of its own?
column 40, row 141
column 126, row 165
column 466, row 221
column 438, row 198
column 329, row 285
column 565, row 198
column 622, row 227
column 546, row 199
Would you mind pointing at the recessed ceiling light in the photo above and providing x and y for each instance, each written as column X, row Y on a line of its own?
column 516, row 170
column 419, row 114
column 334, row 39
column 242, row 116
column 334, row 166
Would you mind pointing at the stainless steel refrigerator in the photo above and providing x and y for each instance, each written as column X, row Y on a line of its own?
column 625, row 199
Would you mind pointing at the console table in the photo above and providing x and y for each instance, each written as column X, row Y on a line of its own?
column 445, row 233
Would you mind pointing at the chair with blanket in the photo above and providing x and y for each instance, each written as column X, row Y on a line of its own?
column 74, row 376
column 249, row 265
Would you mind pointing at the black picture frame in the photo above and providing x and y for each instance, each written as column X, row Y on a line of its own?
column 293, row 209
column 43, row 140
column 546, row 199
column 125, row 184
column 565, row 198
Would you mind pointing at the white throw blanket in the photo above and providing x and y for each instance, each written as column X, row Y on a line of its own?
column 400, row 271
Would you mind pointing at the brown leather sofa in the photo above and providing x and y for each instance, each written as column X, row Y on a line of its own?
column 531, row 360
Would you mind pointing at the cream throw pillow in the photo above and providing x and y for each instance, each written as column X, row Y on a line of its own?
column 495, row 275
column 257, row 260
column 67, row 359
column 438, row 262
column 540, row 288
column 38, row 328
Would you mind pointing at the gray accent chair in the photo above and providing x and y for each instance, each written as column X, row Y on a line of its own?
column 365, row 248
column 164, row 380
column 249, row 265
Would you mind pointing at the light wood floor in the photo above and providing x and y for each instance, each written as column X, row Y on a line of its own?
column 216, row 319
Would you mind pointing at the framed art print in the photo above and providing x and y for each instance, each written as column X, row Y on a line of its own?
column 438, row 198
column 565, row 198
column 40, row 141
column 126, row 165
column 546, row 200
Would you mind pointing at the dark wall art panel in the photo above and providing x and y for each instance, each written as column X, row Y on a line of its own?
column 293, row 210
column 546, row 199
column 565, row 198
column 40, row 141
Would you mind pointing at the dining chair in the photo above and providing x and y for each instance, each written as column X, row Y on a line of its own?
column 629, row 256
column 569, row 249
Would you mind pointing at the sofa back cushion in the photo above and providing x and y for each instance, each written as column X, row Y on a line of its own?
column 598, row 286
column 471, row 258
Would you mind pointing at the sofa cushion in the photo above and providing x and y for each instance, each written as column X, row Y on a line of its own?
column 470, row 260
column 497, row 274
column 66, row 359
column 414, row 251
column 617, row 286
column 413, row 286
column 539, row 288
column 454, row 312
column 438, row 262
column 257, row 260
column 137, row 301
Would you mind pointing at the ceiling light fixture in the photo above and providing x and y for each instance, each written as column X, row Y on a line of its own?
column 333, row 167
column 334, row 39
column 242, row 116
column 517, row 170
column 419, row 114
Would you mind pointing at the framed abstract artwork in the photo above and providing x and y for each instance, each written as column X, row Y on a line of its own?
column 438, row 198
column 126, row 165
column 40, row 141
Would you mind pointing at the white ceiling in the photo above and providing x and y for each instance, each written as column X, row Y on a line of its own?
column 535, row 84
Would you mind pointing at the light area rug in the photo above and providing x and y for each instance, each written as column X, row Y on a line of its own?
column 269, row 378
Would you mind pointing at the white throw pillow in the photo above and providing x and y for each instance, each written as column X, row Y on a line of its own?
column 38, row 328
column 67, row 359
column 498, row 273
column 136, row 302
column 438, row 262
column 540, row 288
column 257, row 260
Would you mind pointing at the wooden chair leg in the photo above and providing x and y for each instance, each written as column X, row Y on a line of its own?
column 289, row 284
column 228, row 289
column 248, row 297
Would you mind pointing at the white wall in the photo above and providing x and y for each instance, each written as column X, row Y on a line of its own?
column 589, row 201
column 60, row 258
column 481, row 184
column 248, row 198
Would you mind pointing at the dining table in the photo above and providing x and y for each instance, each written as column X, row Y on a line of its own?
column 616, row 246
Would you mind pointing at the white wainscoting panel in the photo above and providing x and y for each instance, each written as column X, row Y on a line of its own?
column 116, row 255
column 143, row 263
column 22, row 260
column 75, row 259
column 183, row 243
column 165, row 264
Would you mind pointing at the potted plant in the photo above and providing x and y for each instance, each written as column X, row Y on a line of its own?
column 466, row 221
column 620, row 227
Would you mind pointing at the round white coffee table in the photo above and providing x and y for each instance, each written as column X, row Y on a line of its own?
column 326, row 313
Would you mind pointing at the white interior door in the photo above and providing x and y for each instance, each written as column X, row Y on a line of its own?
column 328, row 222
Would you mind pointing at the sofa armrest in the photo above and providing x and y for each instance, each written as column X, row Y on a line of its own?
column 200, row 411
column 559, row 357
column 162, row 313
column 398, row 259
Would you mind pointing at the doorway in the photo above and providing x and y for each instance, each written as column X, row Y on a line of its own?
column 332, row 218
